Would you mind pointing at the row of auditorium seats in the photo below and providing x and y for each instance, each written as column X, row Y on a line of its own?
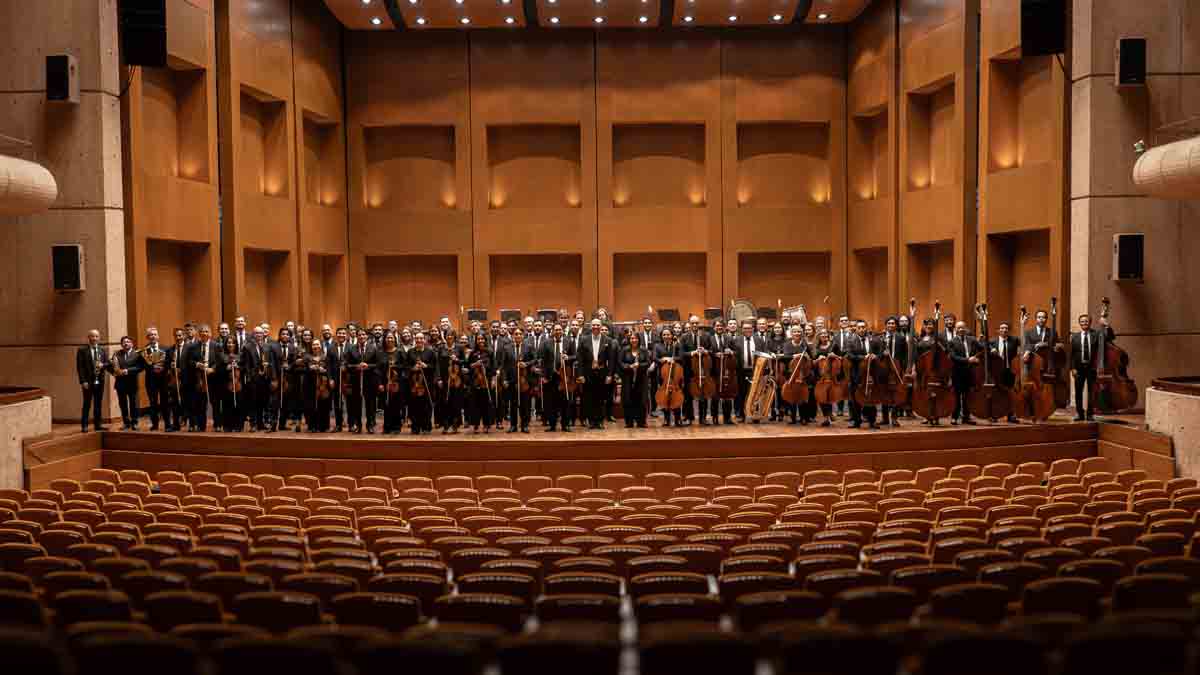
column 207, row 556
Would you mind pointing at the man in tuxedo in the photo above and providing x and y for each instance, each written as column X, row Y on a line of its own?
column 91, row 362
column 362, row 359
column 595, row 357
column 422, row 360
column 1085, row 345
column 240, row 334
column 336, row 358
column 842, row 339
column 894, row 344
column 1007, row 347
column 1040, row 334
column 745, row 349
column 964, row 352
column 177, row 397
column 555, row 351
column 255, row 357
column 202, row 362
column 156, row 378
column 647, row 339
column 723, row 343
column 696, row 340
column 857, row 346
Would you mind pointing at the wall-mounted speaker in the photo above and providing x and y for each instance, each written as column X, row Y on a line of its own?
column 144, row 33
column 62, row 78
column 1129, row 257
column 66, row 262
column 1131, row 62
column 1043, row 27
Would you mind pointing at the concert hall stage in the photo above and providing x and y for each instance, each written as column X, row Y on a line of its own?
column 723, row 449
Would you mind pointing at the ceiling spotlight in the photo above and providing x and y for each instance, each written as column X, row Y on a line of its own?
column 554, row 19
column 599, row 2
column 822, row 16
column 732, row 18
column 599, row 19
column 505, row 2
column 420, row 21
column 366, row 2
column 643, row 19
column 464, row 21
column 459, row 1
column 509, row 20
column 687, row 19
column 412, row 2
column 777, row 17
column 375, row 21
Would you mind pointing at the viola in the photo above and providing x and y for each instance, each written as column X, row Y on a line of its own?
column 702, row 384
column 453, row 373
column 324, row 386
column 795, row 387
column 670, row 391
column 1113, row 389
column 832, row 380
column 989, row 398
column 235, row 375
column 393, row 373
column 418, row 385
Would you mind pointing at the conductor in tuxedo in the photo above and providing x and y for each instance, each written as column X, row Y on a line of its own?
column 91, row 362
column 596, row 355
column 964, row 352
column 1084, row 346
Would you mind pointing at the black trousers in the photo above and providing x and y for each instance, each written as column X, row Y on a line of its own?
column 633, row 405
column 1085, row 378
column 722, row 406
column 128, row 400
column 173, row 408
column 338, row 404
column 156, row 397
column 519, row 408
column 200, row 405
column 597, row 398
column 232, row 411
column 557, row 408
column 93, row 399
column 739, row 404
column 452, row 408
column 479, row 407
column 393, row 411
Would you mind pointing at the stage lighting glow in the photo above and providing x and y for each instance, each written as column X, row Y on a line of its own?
column 642, row 19
column 554, row 19
column 509, row 20
column 375, row 21
column 822, row 16
column 420, row 21
column 464, row 21
column 599, row 19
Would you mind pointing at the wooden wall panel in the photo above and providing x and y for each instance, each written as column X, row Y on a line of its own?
column 938, row 49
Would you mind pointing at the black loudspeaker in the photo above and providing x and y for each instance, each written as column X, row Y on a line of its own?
column 1043, row 27
column 144, row 32
column 1131, row 62
column 62, row 78
column 66, row 260
column 1129, row 257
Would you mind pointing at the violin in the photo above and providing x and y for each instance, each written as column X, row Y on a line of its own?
column 989, row 398
column 393, row 373
column 795, row 387
column 832, row 382
column 1113, row 389
column 932, row 397
column 479, row 373
column 235, row 375
column 670, row 391
column 324, row 383
column 418, row 385
column 453, row 373
column 702, row 384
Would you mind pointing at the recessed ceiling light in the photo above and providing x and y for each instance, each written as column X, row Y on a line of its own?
column 554, row 19
column 552, row 1
column 505, row 2
column 822, row 16
column 412, row 2
column 777, row 17
column 687, row 19
column 420, row 21
column 464, row 21
column 732, row 17
column 459, row 1
column 642, row 19
column 509, row 20
column 599, row 2
column 599, row 19
column 375, row 21
column 366, row 2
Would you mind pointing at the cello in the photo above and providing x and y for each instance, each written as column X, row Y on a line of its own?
column 1113, row 389
column 727, row 375
column 932, row 397
column 832, row 378
column 670, row 391
column 988, row 398
column 795, row 388
column 1055, row 374
column 702, row 385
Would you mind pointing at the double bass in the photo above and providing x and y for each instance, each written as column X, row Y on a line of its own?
column 1055, row 373
column 702, row 385
column 670, row 390
column 989, row 399
column 727, row 376
column 1113, row 389
column 1034, row 398
column 932, row 397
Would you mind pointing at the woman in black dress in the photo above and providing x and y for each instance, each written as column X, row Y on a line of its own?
column 391, row 374
column 229, row 370
column 480, row 370
column 634, row 362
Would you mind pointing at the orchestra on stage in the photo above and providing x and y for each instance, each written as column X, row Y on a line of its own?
column 744, row 365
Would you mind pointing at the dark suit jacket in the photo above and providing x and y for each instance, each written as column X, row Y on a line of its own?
column 566, row 349
column 607, row 357
column 739, row 350
column 1077, row 362
column 1032, row 339
column 85, row 365
column 195, row 357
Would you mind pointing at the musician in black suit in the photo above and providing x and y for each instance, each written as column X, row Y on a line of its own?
column 154, row 364
column 201, row 362
column 1006, row 347
column 894, row 344
column 362, row 359
column 257, row 369
column 1085, row 347
column 696, row 340
column 859, row 346
column 840, row 339
column 555, row 351
column 723, row 343
column 1040, row 334
column 595, row 357
column 745, row 348
column 791, row 351
column 523, row 352
column 287, row 358
column 176, row 395
column 634, row 362
column 964, row 352
column 648, row 339
column 335, row 357
column 127, row 366
column 422, row 363
column 91, row 363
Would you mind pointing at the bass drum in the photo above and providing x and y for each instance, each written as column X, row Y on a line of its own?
column 762, row 388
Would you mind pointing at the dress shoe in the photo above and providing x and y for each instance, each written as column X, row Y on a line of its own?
column 1079, row 418
column 1091, row 418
